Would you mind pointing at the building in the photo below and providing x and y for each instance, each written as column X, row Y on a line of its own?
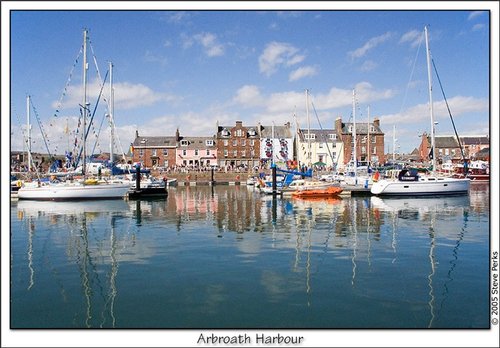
column 369, row 141
column 448, row 148
column 195, row 152
column 276, row 144
column 154, row 152
column 320, row 148
column 238, row 146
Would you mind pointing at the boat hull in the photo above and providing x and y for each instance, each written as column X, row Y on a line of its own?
column 441, row 186
column 57, row 192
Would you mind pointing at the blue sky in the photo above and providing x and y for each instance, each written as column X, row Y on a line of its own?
column 190, row 69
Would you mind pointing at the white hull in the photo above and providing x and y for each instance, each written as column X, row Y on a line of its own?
column 74, row 191
column 424, row 186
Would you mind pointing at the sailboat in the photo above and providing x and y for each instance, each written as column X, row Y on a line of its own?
column 76, row 189
column 410, row 183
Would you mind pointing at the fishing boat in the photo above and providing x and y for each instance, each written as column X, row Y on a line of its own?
column 411, row 183
column 72, row 189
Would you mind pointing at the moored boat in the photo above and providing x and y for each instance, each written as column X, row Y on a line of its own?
column 318, row 193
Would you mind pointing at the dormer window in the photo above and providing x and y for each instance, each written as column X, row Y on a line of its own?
column 310, row 136
column 252, row 132
column 209, row 143
column 225, row 132
column 184, row 143
column 143, row 141
column 332, row 136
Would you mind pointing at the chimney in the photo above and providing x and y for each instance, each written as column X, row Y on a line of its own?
column 239, row 123
column 177, row 135
column 338, row 125
column 137, row 133
column 376, row 122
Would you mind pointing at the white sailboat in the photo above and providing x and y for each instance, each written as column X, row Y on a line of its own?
column 75, row 189
column 411, row 184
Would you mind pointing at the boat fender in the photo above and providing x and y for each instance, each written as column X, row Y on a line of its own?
column 19, row 183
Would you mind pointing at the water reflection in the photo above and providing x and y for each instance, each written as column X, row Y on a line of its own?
column 202, row 249
column 79, row 227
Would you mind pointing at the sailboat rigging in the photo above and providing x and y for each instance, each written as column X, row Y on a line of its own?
column 76, row 189
column 410, row 182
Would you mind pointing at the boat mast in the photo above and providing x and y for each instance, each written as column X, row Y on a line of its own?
column 28, row 126
column 394, row 144
column 368, row 138
column 111, row 112
column 355, row 155
column 84, row 103
column 429, row 75
column 308, row 130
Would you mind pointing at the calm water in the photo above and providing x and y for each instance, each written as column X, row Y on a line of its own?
column 227, row 257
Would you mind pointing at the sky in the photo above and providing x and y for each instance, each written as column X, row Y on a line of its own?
column 191, row 69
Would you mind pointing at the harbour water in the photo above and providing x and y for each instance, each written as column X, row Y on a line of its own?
column 228, row 257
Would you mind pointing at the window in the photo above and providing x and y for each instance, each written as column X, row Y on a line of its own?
column 252, row 142
column 184, row 143
column 350, row 129
column 243, row 142
column 252, row 153
column 372, row 129
column 225, row 132
column 447, row 152
column 184, row 152
column 332, row 136
column 196, row 152
column 235, row 153
column 374, row 151
column 226, row 142
column 235, row 142
column 141, row 152
column 251, row 132
column 208, row 152
column 209, row 143
column 153, row 152
column 374, row 140
column 225, row 153
column 310, row 136
column 243, row 153
column 320, row 145
column 165, row 152
column 239, row 133
column 363, row 149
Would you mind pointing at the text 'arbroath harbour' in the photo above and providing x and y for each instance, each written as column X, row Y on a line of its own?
column 246, row 339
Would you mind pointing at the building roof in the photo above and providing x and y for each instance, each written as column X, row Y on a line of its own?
column 197, row 143
column 158, row 142
column 279, row 132
column 320, row 135
column 475, row 140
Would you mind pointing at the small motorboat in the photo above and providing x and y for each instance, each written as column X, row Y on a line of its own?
column 317, row 193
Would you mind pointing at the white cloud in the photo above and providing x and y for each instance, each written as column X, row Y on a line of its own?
column 276, row 54
column 368, row 65
column 370, row 44
column 127, row 95
column 478, row 27
column 150, row 57
column 302, row 72
column 414, row 37
column 248, row 96
column 475, row 14
column 210, row 44
column 459, row 105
